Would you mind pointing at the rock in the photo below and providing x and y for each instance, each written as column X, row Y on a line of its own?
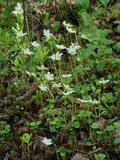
column 79, row 156
column 71, row 2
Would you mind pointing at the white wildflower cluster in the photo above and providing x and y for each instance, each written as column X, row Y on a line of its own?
column 18, row 9
column 73, row 48
column 47, row 141
column 56, row 56
column 88, row 101
column 69, row 27
column 47, row 34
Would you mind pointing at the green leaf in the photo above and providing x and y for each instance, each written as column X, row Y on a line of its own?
column 105, row 2
column 3, row 58
column 117, row 124
column 83, row 3
column 116, row 22
column 117, row 46
column 32, row 123
column 118, row 28
column 117, row 141
column 26, row 138
column 86, row 17
column 77, row 124
column 7, row 127
column 110, row 128
column 99, row 156
column 39, row 122
column 95, row 125
column 56, row 24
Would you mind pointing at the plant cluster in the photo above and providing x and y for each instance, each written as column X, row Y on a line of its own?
column 60, row 90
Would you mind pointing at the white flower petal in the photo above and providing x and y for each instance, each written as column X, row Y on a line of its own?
column 73, row 48
column 33, row 74
column 49, row 76
column 88, row 101
column 27, row 51
column 35, row 44
column 68, row 93
column 43, row 88
column 21, row 34
column 103, row 81
column 47, row 34
column 60, row 46
column 42, row 67
column 47, row 141
column 70, row 30
column 27, row 72
column 66, row 75
column 66, row 24
column 18, row 10
column 55, row 85
column 56, row 56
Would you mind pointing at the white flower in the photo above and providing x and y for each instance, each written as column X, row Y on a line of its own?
column 20, row 34
column 42, row 67
column 60, row 46
column 88, row 101
column 33, row 74
column 73, row 48
column 67, row 25
column 27, row 72
column 56, row 85
column 78, row 59
column 30, row 74
column 47, row 141
column 56, row 56
column 47, row 34
column 35, row 44
column 49, row 76
column 95, row 102
column 66, row 75
column 43, row 88
column 70, row 30
column 103, row 81
column 85, row 101
column 67, row 87
column 18, row 9
column 68, row 92
column 27, row 51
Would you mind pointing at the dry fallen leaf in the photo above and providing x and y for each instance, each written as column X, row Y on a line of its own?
column 116, row 133
column 102, row 123
column 83, row 135
column 25, row 129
